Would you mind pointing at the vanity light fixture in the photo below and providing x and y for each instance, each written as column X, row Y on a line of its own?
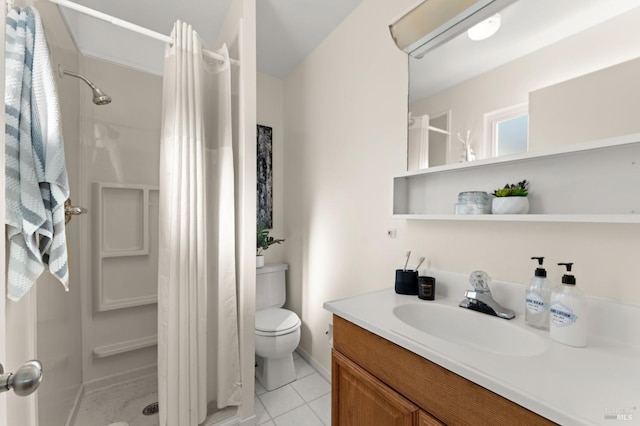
column 432, row 23
column 485, row 29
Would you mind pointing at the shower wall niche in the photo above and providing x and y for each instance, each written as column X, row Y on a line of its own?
column 126, row 250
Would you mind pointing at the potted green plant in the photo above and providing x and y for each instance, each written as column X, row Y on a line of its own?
column 263, row 242
column 512, row 199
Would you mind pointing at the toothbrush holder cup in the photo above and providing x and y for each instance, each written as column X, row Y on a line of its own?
column 406, row 282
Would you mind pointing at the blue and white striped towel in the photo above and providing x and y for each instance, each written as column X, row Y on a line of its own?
column 50, row 161
column 25, row 211
column 36, row 179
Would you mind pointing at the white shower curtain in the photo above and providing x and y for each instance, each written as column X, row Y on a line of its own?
column 198, row 342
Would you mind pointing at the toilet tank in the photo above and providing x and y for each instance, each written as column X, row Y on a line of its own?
column 271, row 291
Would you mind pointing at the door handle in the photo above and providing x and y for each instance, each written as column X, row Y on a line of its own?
column 25, row 381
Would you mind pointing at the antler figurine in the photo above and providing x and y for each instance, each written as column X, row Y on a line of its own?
column 467, row 151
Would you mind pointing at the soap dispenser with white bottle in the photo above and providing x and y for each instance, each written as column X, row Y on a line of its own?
column 538, row 297
column 568, row 311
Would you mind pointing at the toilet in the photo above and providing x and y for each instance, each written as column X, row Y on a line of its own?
column 277, row 330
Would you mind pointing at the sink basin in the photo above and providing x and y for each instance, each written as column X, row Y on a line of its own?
column 471, row 329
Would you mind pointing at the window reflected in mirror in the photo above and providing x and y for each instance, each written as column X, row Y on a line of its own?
column 507, row 131
column 511, row 136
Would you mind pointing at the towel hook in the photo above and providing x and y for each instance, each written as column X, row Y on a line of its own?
column 71, row 210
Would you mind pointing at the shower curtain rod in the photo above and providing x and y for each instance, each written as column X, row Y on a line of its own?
column 133, row 27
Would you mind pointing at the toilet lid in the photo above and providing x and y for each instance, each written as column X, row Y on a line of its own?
column 276, row 321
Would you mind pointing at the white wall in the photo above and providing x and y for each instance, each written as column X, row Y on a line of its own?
column 270, row 112
column 345, row 109
column 345, row 118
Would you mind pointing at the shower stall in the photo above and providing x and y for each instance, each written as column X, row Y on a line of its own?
column 104, row 331
column 117, row 180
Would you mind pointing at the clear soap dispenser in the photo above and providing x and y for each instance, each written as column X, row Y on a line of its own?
column 568, row 312
column 538, row 297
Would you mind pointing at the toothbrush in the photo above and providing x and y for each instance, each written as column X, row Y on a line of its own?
column 407, row 261
column 420, row 262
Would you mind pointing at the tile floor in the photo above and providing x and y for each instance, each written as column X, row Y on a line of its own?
column 307, row 401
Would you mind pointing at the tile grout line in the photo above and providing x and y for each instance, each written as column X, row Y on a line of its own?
column 307, row 403
column 295, row 408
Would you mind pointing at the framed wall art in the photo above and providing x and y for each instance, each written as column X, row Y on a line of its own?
column 264, row 202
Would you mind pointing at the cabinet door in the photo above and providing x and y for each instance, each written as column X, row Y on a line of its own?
column 359, row 399
column 426, row 419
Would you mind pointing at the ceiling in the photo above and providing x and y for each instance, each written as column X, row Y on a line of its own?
column 287, row 30
column 527, row 25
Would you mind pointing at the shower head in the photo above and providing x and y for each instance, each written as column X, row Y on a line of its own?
column 99, row 97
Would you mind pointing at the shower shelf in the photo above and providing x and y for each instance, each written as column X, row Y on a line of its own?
column 126, row 261
column 122, row 347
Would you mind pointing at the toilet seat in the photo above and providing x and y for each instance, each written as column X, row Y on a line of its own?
column 276, row 322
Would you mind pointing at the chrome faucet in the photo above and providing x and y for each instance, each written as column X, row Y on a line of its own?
column 480, row 298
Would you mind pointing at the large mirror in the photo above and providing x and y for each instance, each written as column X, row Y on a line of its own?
column 556, row 72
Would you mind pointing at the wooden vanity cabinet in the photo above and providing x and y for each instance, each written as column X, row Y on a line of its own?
column 376, row 382
column 361, row 399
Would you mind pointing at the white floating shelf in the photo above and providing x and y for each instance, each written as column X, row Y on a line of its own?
column 568, row 150
column 586, row 218
column 597, row 181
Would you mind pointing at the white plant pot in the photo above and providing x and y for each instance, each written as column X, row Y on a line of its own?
column 259, row 261
column 510, row 205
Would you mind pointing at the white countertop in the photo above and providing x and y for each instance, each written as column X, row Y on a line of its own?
column 570, row 386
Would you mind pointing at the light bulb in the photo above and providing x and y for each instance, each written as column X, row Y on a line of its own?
column 485, row 29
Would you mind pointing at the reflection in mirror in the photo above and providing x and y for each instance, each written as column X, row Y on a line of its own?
column 507, row 131
column 428, row 143
column 556, row 72
column 510, row 136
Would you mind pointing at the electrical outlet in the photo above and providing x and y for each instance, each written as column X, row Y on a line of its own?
column 329, row 334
